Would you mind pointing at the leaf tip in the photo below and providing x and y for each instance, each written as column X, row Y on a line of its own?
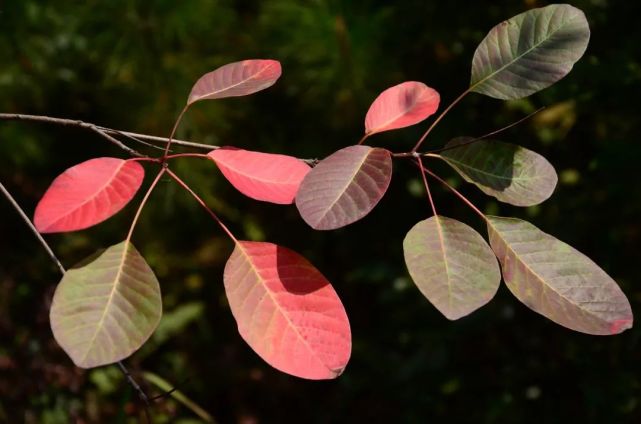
column 620, row 325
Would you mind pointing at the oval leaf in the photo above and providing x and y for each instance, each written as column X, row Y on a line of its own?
column 287, row 311
column 236, row 79
column 344, row 187
column 400, row 106
column 104, row 311
column 87, row 194
column 452, row 265
column 508, row 172
column 529, row 52
column 557, row 281
column 261, row 176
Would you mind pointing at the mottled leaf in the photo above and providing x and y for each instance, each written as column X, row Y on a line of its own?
column 236, row 79
column 452, row 265
column 287, row 311
column 104, row 311
column 261, row 176
column 557, row 281
column 400, row 106
column 87, row 194
column 508, row 172
column 529, row 52
column 344, row 187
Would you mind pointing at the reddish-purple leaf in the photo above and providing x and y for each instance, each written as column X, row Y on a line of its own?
column 261, row 176
column 400, row 106
column 344, row 187
column 287, row 311
column 556, row 280
column 236, row 79
column 87, row 194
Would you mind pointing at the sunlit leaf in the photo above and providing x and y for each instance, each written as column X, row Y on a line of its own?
column 287, row 311
column 87, row 194
column 261, row 176
column 529, row 52
column 452, row 265
column 508, row 172
column 104, row 311
column 236, row 79
column 557, row 281
column 344, row 187
column 400, row 106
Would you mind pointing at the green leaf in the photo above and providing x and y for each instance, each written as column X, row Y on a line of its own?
column 508, row 172
column 452, row 265
column 557, row 281
column 529, row 52
column 104, row 311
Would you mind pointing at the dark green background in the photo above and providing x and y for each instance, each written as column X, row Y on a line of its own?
column 130, row 65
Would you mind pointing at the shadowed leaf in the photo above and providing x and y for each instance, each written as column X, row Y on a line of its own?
column 105, row 311
column 344, row 187
column 506, row 171
column 287, row 311
column 452, row 265
column 557, row 281
column 236, row 79
column 261, row 176
column 87, row 194
column 529, row 52
column 400, row 106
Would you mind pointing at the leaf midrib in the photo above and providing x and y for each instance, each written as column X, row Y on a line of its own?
column 346, row 186
column 114, row 289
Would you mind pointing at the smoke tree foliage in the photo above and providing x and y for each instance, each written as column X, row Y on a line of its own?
column 286, row 310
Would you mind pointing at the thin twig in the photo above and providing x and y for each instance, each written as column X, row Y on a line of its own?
column 490, row 134
column 419, row 160
column 455, row 191
column 104, row 131
column 158, row 139
column 203, row 204
column 72, row 123
column 438, row 119
column 32, row 227
column 141, row 393
column 174, row 129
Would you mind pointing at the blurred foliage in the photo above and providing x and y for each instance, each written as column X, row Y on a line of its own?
column 130, row 65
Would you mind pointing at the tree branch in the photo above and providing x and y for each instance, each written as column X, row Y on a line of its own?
column 105, row 132
column 108, row 134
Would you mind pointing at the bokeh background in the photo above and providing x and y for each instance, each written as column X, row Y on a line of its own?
column 130, row 65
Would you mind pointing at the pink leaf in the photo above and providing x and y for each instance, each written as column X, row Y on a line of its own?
column 261, row 176
column 236, row 79
column 287, row 311
column 87, row 194
column 400, row 106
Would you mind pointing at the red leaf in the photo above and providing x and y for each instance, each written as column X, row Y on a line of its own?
column 236, row 79
column 344, row 187
column 400, row 106
column 287, row 311
column 87, row 194
column 261, row 176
